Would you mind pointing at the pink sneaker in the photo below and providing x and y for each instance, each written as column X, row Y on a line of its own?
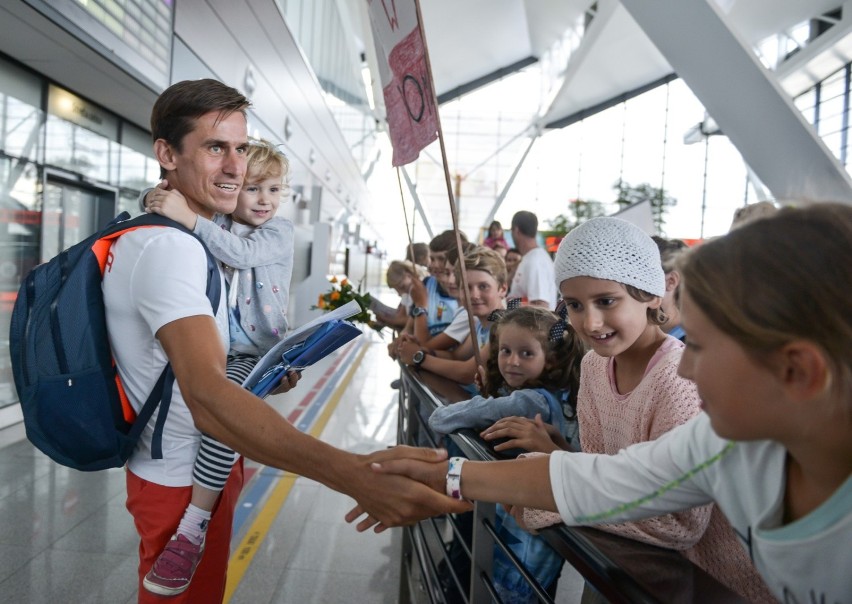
column 173, row 569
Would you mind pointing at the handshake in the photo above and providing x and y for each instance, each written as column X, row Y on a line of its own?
column 403, row 485
column 413, row 483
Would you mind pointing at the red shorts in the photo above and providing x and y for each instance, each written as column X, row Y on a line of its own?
column 157, row 511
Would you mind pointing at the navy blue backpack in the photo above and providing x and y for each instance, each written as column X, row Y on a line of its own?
column 75, row 409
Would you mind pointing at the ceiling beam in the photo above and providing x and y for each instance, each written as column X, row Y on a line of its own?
column 495, row 75
column 612, row 102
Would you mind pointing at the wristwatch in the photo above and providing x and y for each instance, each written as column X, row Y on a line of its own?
column 417, row 358
column 416, row 311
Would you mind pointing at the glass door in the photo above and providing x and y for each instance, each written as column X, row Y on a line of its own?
column 72, row 211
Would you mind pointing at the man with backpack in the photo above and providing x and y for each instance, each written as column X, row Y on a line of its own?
column 158, row 312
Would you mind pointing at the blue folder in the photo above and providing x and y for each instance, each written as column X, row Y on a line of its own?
column 322, row 342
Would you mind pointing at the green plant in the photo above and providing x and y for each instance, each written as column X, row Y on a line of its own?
column 579, row 211
column 342, row 292
column 659, row 199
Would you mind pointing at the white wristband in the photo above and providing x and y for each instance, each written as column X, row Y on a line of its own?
column 454, row 477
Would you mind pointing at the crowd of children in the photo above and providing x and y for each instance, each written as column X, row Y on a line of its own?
column 735, row 448
column 685, row 377
column 613, row 281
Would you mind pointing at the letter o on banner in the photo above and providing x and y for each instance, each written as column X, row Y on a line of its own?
column 408, row 91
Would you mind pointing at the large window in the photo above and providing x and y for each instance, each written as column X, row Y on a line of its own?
column 65, row 168
column 20, row 229
column 826, row 106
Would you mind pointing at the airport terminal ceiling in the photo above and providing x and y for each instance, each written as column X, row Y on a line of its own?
column 615, row 58
column 592, row 53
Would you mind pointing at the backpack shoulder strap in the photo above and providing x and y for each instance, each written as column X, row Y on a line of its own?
column 161, row 395
column 123, row 224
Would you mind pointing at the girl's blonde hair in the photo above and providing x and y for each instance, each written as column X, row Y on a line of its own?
column 398, row 270
column 562, row 355
column 778, row 279
column 264, row 160
column 481, row 258
column 670, row 250
column 752, row 212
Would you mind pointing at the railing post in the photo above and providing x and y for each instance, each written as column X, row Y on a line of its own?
column 482, row 553
column 405, row 560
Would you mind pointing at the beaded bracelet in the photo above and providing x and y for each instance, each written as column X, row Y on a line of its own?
column 454, row 477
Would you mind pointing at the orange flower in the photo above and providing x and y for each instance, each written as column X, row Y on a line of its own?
column 344, row 283
column 321, row 302
column 335, row 295
column 333, row 280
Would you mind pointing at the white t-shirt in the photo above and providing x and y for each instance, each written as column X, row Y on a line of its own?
column 806, row 561
column 156, row 276
column 535, row 278
column 459, row 329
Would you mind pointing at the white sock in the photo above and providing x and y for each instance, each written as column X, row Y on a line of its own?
column 193, row 525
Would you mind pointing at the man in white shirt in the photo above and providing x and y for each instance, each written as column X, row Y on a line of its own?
column 157, row 312
column 535, row 280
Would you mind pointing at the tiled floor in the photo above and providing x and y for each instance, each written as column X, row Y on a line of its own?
column 65, row 536
column 311, row 553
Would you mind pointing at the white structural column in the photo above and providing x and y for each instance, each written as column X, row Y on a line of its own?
column 744, row 98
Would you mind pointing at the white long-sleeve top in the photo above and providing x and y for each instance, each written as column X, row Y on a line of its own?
column 809, row 560
column 611, row 421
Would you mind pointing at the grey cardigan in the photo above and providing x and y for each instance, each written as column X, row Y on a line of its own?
column 263, row 264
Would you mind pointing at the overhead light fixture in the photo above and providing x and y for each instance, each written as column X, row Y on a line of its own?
column 249, row 83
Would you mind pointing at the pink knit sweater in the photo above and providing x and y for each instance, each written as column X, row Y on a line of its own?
column 610, row 421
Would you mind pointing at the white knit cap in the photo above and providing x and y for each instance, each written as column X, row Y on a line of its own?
column 611, row 249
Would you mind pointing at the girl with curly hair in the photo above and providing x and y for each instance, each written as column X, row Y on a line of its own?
column 533, row 370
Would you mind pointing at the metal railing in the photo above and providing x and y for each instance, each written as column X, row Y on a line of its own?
column 620, row 569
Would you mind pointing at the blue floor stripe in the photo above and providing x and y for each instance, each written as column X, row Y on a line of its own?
column 261, row 482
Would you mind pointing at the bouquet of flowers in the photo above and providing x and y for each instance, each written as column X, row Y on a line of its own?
column 342, row 292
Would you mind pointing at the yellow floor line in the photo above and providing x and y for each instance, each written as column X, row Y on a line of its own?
column 243, row 555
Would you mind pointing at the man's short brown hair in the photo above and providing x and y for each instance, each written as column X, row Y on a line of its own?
column 526, row 223
column 179, row 105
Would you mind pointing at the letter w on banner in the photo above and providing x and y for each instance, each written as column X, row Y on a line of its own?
column 406, row 81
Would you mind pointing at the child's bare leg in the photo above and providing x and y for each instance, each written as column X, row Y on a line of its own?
column 203, row 498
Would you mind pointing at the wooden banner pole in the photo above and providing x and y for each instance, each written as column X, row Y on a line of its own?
column 453, row 211
column 408, row 232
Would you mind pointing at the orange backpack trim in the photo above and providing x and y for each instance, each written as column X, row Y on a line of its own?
column 101, row 249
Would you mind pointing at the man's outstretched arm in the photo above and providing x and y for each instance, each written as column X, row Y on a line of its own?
column 244, row 422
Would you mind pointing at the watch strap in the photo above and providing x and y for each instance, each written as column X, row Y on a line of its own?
column 417, row 357
column 454, row 477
